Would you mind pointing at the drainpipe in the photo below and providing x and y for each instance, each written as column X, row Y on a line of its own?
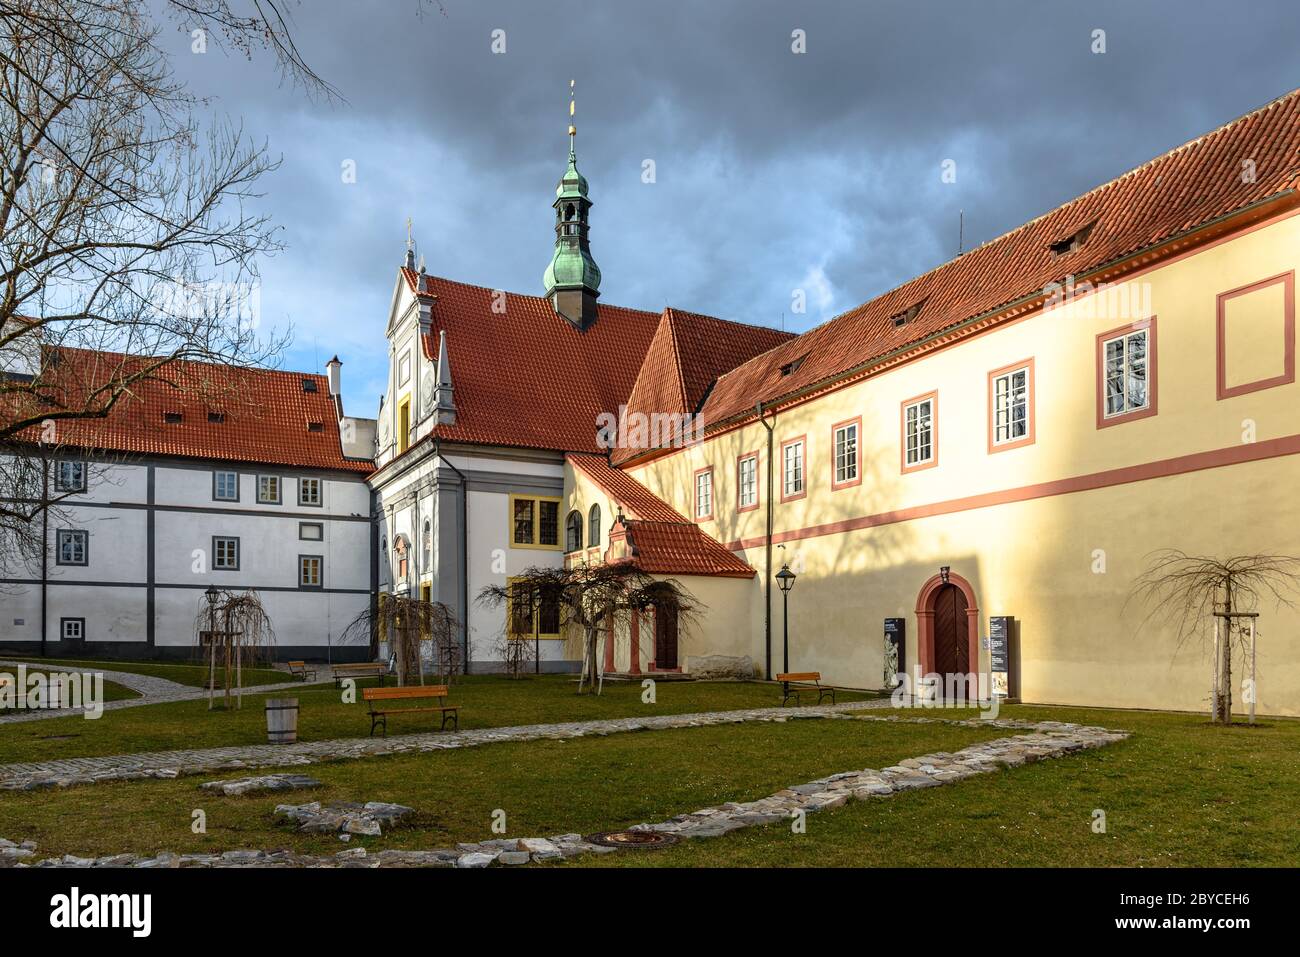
column 464, row 554
column 45, row 545
column 767, row 575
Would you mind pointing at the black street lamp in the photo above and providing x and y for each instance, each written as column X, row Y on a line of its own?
column 785, row 579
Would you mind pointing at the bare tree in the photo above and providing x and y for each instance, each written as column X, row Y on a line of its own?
column 1189, row 591
column 126, row 239
column 232, row 628
column 416, row 631
column 589, row 598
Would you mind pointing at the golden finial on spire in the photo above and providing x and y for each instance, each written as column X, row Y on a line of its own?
column 573, row 130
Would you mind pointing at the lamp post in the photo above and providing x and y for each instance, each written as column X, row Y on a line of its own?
column 212, row 595
column 785, row 579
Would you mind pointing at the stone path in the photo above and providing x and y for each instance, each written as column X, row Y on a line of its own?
column 152, row 690
column 1046, row 739
column 147, row 685
column 170, row 764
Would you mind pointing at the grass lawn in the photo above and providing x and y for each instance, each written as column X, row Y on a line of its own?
column 545, row 787
column 112, row 690
column 486, row 701
column 184, row 673
column 1179, row 792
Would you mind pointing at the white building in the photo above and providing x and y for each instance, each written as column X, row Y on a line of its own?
column 488, row 394
column 250, row 480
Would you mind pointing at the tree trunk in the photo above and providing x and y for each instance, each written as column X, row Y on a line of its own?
column 1224, row 705
column 588, row 655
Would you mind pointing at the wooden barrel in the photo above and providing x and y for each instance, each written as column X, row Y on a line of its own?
column 281, row 720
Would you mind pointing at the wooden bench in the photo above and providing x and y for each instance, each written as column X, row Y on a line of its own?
column 299, row 669
column 803, row 681
column 379, row 716
column 363, row 669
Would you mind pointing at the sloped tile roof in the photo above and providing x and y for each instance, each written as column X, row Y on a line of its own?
column 266, row 413
column 637, row 500
column 1191, row 186
column 688, row 353
column 673, row 548
column 524, row 376
column 664, row 541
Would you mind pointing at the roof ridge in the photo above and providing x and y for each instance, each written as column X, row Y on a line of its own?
column 412, row 276
column 183, row 359
column 730, row 322
column 1276, row 101
column 676, row 347
column 1044, row 215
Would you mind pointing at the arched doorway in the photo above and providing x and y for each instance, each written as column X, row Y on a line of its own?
column 947, row 634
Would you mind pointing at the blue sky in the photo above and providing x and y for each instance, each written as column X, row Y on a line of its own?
column 775, row 171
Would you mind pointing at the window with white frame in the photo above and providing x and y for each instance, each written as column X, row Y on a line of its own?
column 704, row 493
column 268, row 489
column 792, row 468
column 70, row 477
column 918, row 432
column 225, row 486
column 1126, row 372
column 747, row 481
column 1011, row 406
column 225, row 553
column 846, row 453
column 72, row 546
column 310, row 571
column 311, row 531
column 308, row 491
column 72, row 629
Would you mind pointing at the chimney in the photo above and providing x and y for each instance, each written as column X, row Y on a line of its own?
column 334, row 374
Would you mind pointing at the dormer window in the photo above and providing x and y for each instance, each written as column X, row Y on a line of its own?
column 315, row 426
column 172, row 418
column 901, row 319
column 1063, row 247
column 309, row 385
column 792, row 366
column 216, row 418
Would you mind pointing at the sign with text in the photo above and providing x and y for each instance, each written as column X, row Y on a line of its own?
column 895, row 650
column 1001, row 630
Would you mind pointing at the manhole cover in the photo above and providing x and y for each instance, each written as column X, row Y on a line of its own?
column 642, row 840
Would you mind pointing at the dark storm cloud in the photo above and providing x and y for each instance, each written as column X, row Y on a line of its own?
column 775, row 171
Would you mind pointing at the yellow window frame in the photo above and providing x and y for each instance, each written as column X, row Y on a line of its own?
column 404, row 424
column 536, row 520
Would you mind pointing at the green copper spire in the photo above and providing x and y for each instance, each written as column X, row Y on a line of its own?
column 572, row 280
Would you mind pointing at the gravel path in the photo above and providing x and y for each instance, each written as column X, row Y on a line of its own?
column 152, row 690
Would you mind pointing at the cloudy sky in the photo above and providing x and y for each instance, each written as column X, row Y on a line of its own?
column 775, row 171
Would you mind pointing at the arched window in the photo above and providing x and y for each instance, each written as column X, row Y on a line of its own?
column 427, row 547
column 568, row 212
column 593, row 527
column 573, row 528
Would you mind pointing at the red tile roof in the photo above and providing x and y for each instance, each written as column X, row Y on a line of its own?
column 267, row 413
column 1186, row 188
column 663, row 541
column 525, row 376
column 668, row 548
column 637, row 500
column 688, row 353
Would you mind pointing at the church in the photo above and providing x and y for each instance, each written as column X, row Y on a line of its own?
column 966, row 474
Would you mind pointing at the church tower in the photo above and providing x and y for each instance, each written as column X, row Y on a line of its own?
column 572, row 280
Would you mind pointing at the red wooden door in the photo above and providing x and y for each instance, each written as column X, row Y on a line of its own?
column 951, row 651
column 665, row 638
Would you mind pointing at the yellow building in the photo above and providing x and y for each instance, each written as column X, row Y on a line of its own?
column 1011, row 434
